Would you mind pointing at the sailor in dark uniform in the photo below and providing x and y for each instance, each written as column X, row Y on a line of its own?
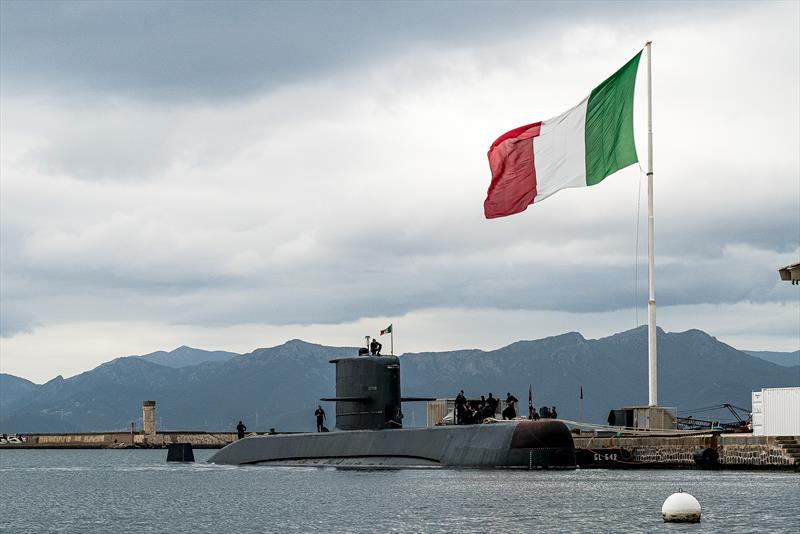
column 319, row 413
column 492, row 402
column 461, row 408
column 510, row 412
column 375, row 347
column 240, row 428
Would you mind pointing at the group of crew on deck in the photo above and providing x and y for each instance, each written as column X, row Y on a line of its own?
column 473, row 411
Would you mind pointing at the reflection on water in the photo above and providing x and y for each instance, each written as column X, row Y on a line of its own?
column 136, row 490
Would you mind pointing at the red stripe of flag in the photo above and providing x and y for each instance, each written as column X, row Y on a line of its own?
column 513, row 185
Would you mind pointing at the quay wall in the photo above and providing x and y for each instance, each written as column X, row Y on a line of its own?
column 735, row 450
column 119, row 440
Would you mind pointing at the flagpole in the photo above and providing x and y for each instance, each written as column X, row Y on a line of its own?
column 651, row 302
column 391, row 341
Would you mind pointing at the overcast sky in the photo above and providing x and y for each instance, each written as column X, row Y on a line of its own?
column 234, row 175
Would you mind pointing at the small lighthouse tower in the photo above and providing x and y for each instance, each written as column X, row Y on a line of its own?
column 149, row 420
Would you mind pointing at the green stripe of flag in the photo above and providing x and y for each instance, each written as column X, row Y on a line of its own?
column 609, row 124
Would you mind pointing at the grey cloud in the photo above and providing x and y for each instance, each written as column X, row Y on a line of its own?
column 182, row 51
column 117, row 152
column 301, row 242
column 14, row 320
column 360, row 280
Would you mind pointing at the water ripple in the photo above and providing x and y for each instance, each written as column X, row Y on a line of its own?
column 137, row 491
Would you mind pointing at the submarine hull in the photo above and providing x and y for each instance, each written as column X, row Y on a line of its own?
column 515, row 444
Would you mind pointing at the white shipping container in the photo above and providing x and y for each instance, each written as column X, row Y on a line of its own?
column 776, row 412
column 757, row 414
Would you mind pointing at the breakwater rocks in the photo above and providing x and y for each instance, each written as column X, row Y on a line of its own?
column 732, row 451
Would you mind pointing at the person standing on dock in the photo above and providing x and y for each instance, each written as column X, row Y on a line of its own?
column 319, row 413
column 240, row 429
column 461, row 405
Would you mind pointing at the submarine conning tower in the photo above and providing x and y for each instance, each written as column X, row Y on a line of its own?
column 367, row 393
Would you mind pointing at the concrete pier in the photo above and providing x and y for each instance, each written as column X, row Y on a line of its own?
column 119, row 440
column 736, row 451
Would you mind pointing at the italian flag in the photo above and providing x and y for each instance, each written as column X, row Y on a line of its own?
column 387, row 330
column 578, row 148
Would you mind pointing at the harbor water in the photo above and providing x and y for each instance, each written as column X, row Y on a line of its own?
column 137, row 491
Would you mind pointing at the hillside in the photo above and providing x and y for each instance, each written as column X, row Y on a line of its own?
column 695, row 370
column 185, row 356
column 786, row 359
column 279, row 386
column 13, row 389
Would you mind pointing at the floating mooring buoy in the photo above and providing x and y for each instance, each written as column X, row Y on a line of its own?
column 681, row 508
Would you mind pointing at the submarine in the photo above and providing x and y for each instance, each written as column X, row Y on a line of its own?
column 369, row 433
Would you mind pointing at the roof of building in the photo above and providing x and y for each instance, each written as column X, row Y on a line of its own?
column 790, row 272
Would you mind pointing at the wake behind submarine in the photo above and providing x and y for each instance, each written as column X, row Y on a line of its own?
column 369, row 433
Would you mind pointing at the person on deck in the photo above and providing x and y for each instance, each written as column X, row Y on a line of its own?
column 240, row 429
column 545, row 412
column 532, row 415
column 510, row 412
column 319, row 413
column 461, row 404
column 492, row 402
column 469, row 416
column 375, row 347
column 553, row 413
column 612, row 418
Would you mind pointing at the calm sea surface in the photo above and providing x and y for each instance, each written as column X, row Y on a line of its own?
column 137, row 491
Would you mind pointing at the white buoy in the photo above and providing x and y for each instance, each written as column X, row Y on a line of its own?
column 681, row 508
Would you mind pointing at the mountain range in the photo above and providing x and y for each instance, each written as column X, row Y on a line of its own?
column 786, row 359
column 185, row 356
column 279, row 387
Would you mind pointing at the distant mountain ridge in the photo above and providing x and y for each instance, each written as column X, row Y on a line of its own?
column 786, row 359
column 280, row 386
column 13, row 388
column 185, row 356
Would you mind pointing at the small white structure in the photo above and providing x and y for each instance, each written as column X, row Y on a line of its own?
column 438, row 410
column 650, row 418
column 790, row 273
column 680, row 508
column 776, row 412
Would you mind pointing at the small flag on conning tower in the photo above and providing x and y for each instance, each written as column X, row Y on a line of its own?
column 388, row 330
